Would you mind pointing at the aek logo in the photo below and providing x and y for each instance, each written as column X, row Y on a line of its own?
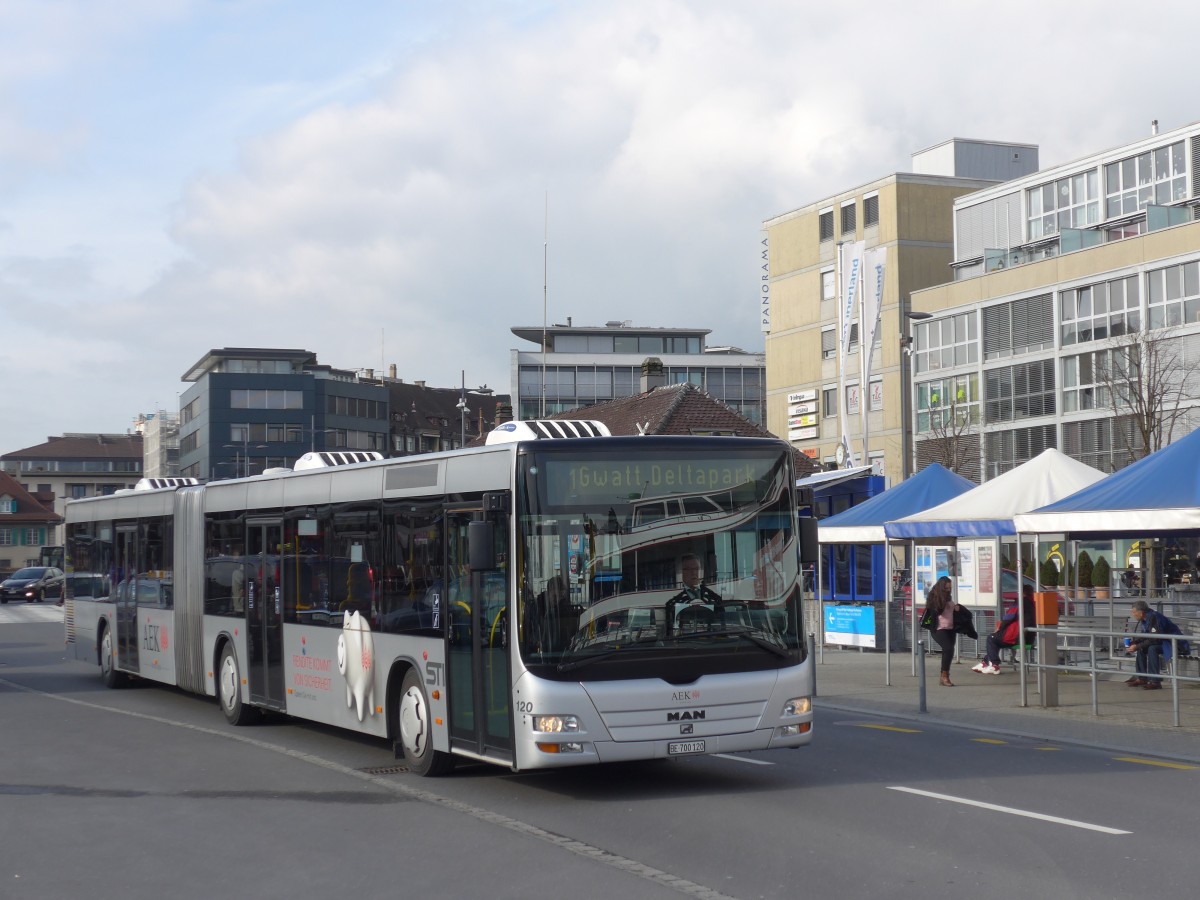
column 685, row 695
column 154, row 638
column 688, row 715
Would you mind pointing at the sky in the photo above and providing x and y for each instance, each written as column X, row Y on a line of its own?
column 393, row 182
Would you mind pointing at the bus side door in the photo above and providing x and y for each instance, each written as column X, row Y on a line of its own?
column 478, row 676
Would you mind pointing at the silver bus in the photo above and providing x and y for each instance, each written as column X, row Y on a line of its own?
column 523, row 603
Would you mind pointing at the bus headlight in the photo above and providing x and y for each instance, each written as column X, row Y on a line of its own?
column 797, row 706
column 555, row 724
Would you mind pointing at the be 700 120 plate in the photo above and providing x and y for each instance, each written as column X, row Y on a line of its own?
column 675, row 748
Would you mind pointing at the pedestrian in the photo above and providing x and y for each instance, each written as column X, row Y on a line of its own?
column 940, row 605
column 1149, row 652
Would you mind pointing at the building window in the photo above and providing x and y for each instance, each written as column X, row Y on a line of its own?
column 1071, row 202
column 826, row 224
column 1019, row 392
column 1173, row 295
column 34, row 536
column 77, row 491
column 827, row 286
column 1100, row 311
column 946, row 342
column 828, row 343
column 849, row 213
column 6, row 537
column 8, row 505
column 1008, row 449
column 570, row 343
column 829, row 403
column 870, row 210
column 948, row 404
column 1107, row 444
column 1021, row 326
column 1086, row 379
column 650, row 344
column 258, row 398
column 1156, row 176
column 876, row 395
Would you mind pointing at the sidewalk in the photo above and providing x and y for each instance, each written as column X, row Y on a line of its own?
column 1130, row 720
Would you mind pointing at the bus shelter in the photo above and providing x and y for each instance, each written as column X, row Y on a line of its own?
column 1156, row 499
column 847, row 563
column 968, row 528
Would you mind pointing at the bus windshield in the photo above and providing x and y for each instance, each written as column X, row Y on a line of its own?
column 657, row 563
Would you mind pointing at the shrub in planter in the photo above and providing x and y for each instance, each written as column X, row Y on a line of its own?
column 1083, row 568
column 1048, row 574
column 1100, row 577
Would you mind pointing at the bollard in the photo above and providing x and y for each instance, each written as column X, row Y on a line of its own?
column 921, row 679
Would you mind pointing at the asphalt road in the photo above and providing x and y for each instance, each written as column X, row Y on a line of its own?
column 146, row 792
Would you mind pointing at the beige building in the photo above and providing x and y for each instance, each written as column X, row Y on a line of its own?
column 911, row 215
column 1059, row 276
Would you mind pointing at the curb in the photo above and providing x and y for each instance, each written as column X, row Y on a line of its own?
column 1010, row 732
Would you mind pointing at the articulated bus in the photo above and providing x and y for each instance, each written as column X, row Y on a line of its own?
column 520, row 603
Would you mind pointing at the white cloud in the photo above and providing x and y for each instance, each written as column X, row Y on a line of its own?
column 395, row 193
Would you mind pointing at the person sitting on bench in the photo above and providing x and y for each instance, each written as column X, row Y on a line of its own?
column 1007, row 634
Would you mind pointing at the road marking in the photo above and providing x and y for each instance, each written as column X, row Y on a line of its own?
column 1153, row 762
column 745, row 759
column 891, row 728
column 1050, row 749
column 1011, row 811
column 579, row 848
column 988, row 741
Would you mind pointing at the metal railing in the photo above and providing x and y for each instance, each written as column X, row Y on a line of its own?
column 1094, row 650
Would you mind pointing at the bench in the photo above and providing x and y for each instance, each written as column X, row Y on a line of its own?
column 1191, row 630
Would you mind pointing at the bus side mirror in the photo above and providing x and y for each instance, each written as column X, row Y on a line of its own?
column 481, row 546
column 810, row 548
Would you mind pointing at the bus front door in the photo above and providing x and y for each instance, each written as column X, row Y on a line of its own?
column 264, row 614
column 126, row 593
column 477, row 644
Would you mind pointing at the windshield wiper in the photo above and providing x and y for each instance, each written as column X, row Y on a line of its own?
column 580, row 662
column 758, row 638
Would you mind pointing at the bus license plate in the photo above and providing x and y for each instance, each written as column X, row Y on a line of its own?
column 677, row 747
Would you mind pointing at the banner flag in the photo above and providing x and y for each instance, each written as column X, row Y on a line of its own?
column 850, row 264
column 874, row 273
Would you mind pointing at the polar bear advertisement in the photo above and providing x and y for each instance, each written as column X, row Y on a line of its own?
column 356, row 662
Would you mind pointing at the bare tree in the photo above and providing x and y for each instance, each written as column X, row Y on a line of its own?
column 952, row 439
column 1144, row 379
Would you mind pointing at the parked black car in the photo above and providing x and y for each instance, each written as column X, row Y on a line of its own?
column 33, row 583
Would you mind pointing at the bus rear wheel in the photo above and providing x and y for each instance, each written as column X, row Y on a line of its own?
column 415, row 725
column 229, row 690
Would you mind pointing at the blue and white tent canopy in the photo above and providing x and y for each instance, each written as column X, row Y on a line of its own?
column 863, row 524
column 988, row 510
column 1160, row 493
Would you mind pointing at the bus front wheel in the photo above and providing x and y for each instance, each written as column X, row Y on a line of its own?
column 108, row 664
column 229, row 690
column 416, row 730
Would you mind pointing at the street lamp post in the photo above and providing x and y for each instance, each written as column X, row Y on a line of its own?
column 906, row 387
column 242, row 461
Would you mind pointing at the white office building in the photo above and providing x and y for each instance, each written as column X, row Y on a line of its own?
column 573, row 366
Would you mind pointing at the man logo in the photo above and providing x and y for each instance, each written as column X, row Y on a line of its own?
column 686, row 716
